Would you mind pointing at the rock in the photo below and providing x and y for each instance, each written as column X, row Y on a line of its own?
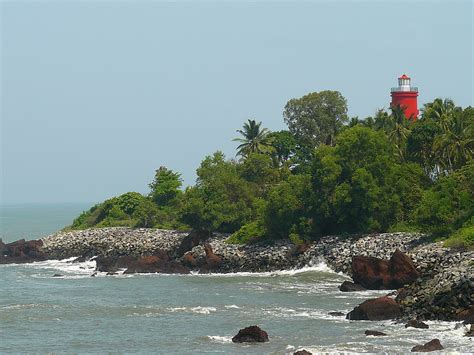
column 160, row 262
column 378, row 274
column 374, row 333
column 58, row 275
column 111, row 273
column 413, row 323
column 470, row 332
column 190, row 241
column 302, row 352
column 189, row 260
column 432, row 345
column 213, row 261
column 336, row 314
column 348, row 286
column 252, row 334
column 375, row 309
column 466, row 315
column 22, row 251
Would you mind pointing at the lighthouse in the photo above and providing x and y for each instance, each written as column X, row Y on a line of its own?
column 406, row 96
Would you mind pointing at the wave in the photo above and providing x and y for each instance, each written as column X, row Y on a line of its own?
column 220, row 339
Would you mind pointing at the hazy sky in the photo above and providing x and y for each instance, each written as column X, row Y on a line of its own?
column 97, row 95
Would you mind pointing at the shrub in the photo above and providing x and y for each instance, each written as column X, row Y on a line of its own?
column 248, row 233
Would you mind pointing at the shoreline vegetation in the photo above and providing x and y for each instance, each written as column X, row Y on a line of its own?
column 328, row 174
column 387, row 200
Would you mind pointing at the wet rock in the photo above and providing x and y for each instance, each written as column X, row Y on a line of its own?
column 374, row 333
column 413, row 323
column 111, row 273
column 22, row 251
column 336, row 314
column 432, row 345
column 58, row 275
column 252, row 334
column 213, row 261
column 378, row 274
column 302, row 352
column 375, row 309
column 348, row 286
column 189, row 260
column 470, row 332
column 190, row 241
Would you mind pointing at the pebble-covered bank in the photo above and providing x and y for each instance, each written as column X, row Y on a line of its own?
column 446, row 284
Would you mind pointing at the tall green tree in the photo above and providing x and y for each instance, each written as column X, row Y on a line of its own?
column 165, row 187
column 316, row 118
column 255, row 139
column 398, row 129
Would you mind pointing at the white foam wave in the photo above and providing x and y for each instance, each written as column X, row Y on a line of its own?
column 220, row 339
column 66, row 265
column 198, row 309
column 232, row 306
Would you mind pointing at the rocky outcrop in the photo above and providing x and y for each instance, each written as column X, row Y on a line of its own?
column 432, row 345
column 374, row 333
column 22, row 251
column 375, row 309
column 252, row 334
column 302, row 352
column 378, row 274
column 348, row 286
column 158, row 263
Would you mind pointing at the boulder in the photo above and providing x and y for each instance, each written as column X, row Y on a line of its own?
column 213, row 261
column 348, row 286
column 378, row 274
column 374, row 333
column 336, row 314
column 22, row 251
column 252, row 334
column 302, row 352
column 432, row 345
column 375, row 309
column 413, row 323
column 466, row 315
column 190, row 241
column 189, row 260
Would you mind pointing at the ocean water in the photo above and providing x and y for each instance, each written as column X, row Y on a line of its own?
column 191, row 314
column 31, row 221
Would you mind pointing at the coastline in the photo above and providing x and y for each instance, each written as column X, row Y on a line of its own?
column 444, row 290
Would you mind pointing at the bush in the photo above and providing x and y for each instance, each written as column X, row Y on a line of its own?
column 462, row 238
column 248, row 233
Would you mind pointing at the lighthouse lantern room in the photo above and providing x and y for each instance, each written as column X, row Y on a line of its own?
column 406, row 96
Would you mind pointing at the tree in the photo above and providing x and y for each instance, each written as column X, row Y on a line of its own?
column 255, row 139
column 284, row 146
column 316, row 118
column 221, row 200
column 165, row 186
column 398, row 130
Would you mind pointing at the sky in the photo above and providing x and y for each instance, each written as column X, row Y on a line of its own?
column 95, row 96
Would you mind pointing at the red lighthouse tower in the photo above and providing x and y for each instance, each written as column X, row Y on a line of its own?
column 406, row 96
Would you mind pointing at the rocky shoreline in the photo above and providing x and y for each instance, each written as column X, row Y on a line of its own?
column 443, row 288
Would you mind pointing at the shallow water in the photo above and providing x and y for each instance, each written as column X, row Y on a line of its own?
column 192, row 313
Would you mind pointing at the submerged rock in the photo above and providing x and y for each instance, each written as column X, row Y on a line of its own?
column 348, row 286
column 432, row 345
column 375, row 309
column 374, row 333
column 302, row 352
column 252, row 334
column 413, row 323
column 336, row 314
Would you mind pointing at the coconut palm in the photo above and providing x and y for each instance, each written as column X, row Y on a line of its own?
column 255, row 139
column 455, row 145
column 397, row 129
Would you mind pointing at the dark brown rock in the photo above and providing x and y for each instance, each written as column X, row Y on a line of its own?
column 302, row 352
column 378, row 274
column 22, row 251
column 190, row 241
column 374, row 333
column 189, row 260
column 466, row 315
column 160, row 262
column 432, row 345
column 336, row 314
column 413, row 323
column 375, row 309
column 252, row 334
column 213, row 261
column 348, row 286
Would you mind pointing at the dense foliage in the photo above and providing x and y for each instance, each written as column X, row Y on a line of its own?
column 326, row 174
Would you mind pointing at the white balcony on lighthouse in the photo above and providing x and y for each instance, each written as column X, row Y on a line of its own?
column 404, row 85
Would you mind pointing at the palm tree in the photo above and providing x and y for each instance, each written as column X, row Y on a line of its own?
column 441, row 111
column 398, row 130
column 255, row 139
column 455, row 145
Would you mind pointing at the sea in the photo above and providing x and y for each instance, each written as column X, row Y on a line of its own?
column 73, row 312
